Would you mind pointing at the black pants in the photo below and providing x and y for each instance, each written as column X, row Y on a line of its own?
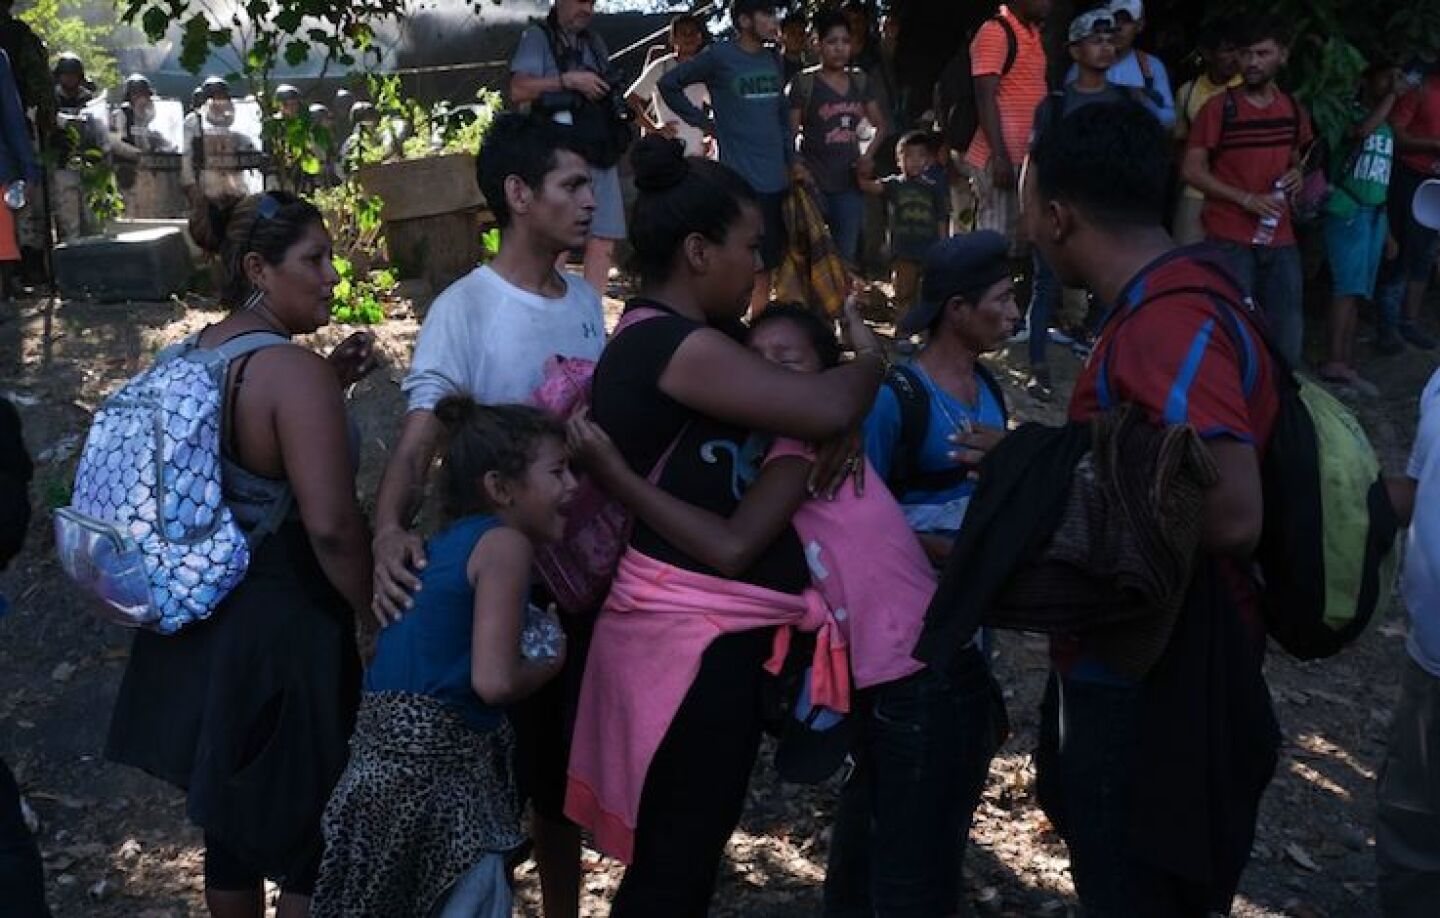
column 695, row 790
column 22, row 879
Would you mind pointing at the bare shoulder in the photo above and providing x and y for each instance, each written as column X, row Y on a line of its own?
column 294, row 365
column 500, row 549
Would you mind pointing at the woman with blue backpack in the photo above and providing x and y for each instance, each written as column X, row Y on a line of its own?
column 249, row 708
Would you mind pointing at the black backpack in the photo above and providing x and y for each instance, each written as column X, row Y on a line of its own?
column 603, row 127
column 914, row 398
column 956, row 110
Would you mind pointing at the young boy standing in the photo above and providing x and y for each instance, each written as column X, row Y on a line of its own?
column 751, row 118
column 1356, row 226
column 687, row 37
column 919, row 213
column 827, row 104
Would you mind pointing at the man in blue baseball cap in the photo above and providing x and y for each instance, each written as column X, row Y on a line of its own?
column 935, row 417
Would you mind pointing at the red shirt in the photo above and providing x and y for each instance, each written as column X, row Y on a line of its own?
column 1417, row 113
column 1187, row 358
column 1249, row 150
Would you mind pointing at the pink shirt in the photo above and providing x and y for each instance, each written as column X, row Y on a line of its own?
column 870, row 568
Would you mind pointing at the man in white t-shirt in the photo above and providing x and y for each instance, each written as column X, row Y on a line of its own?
column 644, row 99
column 488, row 336
column 1407, row 815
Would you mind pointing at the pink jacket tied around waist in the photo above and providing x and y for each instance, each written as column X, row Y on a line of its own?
column 649, row 638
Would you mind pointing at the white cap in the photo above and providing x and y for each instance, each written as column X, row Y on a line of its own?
column 1426, row 206
column 1135, row 9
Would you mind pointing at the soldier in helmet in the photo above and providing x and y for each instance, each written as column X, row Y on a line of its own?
column 211, row 168
column 325, row 143
column 147, row 182
column 74, row 137
column 288, row 102
column 130, row 125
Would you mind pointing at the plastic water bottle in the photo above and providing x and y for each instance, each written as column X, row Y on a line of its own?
column 542, row 638
column 1265, row 232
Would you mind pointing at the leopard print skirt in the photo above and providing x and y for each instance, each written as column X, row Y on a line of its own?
column 423, row 799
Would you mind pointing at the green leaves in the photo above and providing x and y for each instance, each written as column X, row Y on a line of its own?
column 359, row 301
column 155, row 22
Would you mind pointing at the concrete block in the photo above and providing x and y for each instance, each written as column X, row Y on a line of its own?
column 149, row 264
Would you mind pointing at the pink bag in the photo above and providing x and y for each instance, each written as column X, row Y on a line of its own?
column 579, row 568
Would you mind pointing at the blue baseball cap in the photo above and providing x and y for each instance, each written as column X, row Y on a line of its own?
column 966, row 265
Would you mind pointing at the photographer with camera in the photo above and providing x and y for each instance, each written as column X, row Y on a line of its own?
column 561, row 69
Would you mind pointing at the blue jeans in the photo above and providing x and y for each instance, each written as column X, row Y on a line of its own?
column 844, row 214
column 905, row 813
column 1045, row 292
column 1085, row 768
column 1276, row 278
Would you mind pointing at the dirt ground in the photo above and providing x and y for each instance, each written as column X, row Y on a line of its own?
column 116, row 843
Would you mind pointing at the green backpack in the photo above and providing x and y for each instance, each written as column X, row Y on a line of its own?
column 1328, row 549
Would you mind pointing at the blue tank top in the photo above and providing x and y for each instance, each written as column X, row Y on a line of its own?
column 428, row 651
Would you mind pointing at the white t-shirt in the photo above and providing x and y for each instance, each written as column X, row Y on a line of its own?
column 486, row 338
column 1421, row 583
column 646, row 88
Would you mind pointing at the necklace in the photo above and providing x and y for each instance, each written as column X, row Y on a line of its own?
column 962, row 426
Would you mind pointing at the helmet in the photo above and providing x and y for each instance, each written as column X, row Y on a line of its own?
column 137, row 82
column 319, row 110
column 286, row 93
column 69, row 63
column 364, row 111
column 214, row 86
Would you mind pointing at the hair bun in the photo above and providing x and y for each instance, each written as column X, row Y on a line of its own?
column 456, row 410
column 210, row 221
column 659, row 163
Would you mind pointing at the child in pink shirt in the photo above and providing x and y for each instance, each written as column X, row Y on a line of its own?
column 926, row 737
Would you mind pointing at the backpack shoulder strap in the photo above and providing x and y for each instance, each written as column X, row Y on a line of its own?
column 1230, row 301
column 1229, row 114
column 914, row 404
column 1054, row 110
column 1147, row 70
column 987, row 377
column 1012, row 45
column 804, row 88
column 247, row 343
column 859, row 81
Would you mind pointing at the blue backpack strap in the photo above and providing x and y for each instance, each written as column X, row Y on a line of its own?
column 221, row 356
column 247, row 343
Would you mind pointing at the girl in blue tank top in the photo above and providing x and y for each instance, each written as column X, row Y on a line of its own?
column 426, row 809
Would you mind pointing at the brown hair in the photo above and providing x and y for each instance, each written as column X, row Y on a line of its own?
column 267, row 224
column 480, row 439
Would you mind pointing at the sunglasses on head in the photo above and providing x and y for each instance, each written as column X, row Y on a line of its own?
column 267, row 209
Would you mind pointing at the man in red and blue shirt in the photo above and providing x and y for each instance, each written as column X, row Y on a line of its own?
column 1156, row 785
